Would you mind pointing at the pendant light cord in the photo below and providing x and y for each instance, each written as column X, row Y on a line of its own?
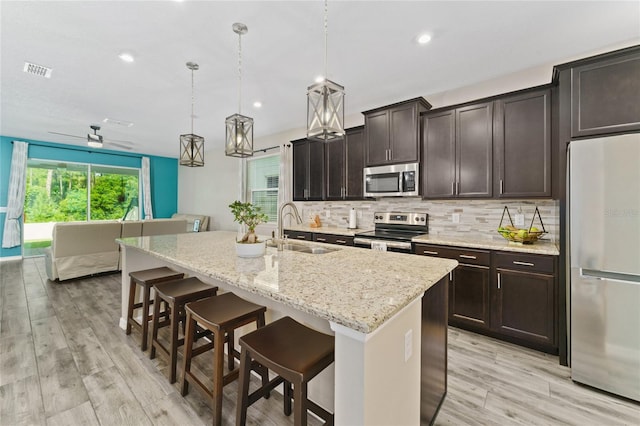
column 240, row 73
column 326, row 11
column 192, row 101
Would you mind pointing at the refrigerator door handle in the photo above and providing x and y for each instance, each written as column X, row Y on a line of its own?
column 615, row 276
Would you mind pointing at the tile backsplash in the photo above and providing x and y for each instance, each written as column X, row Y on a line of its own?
column 477, row 218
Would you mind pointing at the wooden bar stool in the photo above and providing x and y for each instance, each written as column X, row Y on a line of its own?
column 221, row 315
column 296, row 354
column 146, row 279
column 176, row 294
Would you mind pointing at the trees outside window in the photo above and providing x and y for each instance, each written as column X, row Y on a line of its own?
column 66, row 192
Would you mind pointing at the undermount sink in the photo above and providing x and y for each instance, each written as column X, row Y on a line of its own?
column 303, row 248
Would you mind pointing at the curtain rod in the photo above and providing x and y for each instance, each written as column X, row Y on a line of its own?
column 271, row 147
column 82, row 150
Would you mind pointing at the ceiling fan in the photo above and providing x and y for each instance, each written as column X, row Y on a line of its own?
column 95, row 140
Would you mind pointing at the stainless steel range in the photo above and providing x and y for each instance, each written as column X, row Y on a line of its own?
column 393, row 231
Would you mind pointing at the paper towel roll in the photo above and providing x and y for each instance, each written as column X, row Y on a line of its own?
column 353, row 219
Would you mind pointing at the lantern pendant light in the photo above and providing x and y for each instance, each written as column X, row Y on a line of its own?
column 192, row 145
column 239, row 128
column 325, row 103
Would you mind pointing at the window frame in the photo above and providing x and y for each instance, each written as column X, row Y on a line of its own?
column 248, row 191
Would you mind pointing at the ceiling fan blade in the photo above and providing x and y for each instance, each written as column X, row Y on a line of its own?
column 119, row 141
column 119, row 145
column 66, row 134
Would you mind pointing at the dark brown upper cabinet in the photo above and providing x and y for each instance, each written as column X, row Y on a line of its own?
column 354, row 153
column 457, row 149
column 605, row 94
column 308, row 170
column 345, row 161
column 522, row 141
column 392, row 133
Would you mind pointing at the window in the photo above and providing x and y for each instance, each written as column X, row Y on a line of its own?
column 65, row 192
column 262, row 184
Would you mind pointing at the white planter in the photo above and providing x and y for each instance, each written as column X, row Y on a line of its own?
column 251, row 249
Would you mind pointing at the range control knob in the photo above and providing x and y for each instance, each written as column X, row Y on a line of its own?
column 417, row 219
column 422, row 219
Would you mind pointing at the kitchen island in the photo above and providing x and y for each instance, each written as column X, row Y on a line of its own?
column 371, row 301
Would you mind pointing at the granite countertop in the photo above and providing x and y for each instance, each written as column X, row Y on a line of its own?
column 539, row 247
column 359, row 289
column 326, row 230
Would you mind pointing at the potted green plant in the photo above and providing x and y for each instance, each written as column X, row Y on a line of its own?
column 250, row 216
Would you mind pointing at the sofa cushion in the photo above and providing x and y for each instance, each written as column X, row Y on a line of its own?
column 191, row 218
column 131, row 228
column 163, row 227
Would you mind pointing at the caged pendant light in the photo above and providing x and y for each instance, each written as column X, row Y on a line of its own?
column 325, row 103
column 192, row 145
column 239, row 128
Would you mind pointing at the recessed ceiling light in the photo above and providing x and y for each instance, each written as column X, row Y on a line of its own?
column 126, row 57
column 424, row 38
column 257, row 104
column 319, row 79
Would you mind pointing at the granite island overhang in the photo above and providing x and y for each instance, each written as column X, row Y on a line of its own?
column 369, row 300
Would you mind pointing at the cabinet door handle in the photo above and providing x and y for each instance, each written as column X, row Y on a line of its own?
column 320, row 239
column 451, row 276
column 499, row 281
column 457, row 188
column 501, row 186
column 515, row 262
column 435, row 253
column 467, row 256
column 453, row 188
column 341, row 242
column 301, row 237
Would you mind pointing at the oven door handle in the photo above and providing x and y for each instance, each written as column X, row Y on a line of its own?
column 391, row 244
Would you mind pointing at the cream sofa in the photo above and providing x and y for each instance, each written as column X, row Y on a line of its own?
column 85, row 248
column 191, row 218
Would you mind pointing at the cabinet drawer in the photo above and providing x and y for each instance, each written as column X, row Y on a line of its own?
column 343, row 240
column 462, row 255
column 298, row 235
column 525, row 262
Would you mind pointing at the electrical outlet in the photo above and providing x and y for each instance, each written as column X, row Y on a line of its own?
column 455, row 218
column 408, row 345
column 359, row 214
column 519, row 219
column 327, row 213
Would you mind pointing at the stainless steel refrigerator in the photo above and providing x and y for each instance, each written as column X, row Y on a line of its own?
column 604, row 226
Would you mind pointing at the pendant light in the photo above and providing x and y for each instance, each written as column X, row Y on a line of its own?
column 325, row 103
column 239, row 133
column 192, row 145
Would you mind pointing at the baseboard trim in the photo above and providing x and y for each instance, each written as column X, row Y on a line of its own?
column 10, row 258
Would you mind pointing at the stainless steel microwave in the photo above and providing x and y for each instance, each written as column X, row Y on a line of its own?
column 396, row 180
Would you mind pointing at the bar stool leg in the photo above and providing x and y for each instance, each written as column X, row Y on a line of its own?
column 188, row 351
column 154, row 329
column 287, row 397
column 243, row 388
column 230, row 348
column 300, row 406
column 132, row 298
column 173, row 344
column 145, row 317
column 218, row 373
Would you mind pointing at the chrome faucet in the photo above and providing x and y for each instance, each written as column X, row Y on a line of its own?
column 281, row 217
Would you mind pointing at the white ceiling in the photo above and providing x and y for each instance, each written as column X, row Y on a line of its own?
column 372, row 52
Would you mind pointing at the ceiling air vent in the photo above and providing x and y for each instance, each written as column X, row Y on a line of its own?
column 38, row 70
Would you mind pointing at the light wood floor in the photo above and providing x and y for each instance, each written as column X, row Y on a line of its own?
column 65, row 361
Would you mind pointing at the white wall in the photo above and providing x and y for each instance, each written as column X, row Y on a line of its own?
column 210, row 189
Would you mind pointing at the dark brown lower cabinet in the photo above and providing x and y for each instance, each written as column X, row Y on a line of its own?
column 524, row 299
column 342, row 240
column 469, row 297
column 298, row 235
column 510, row 296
